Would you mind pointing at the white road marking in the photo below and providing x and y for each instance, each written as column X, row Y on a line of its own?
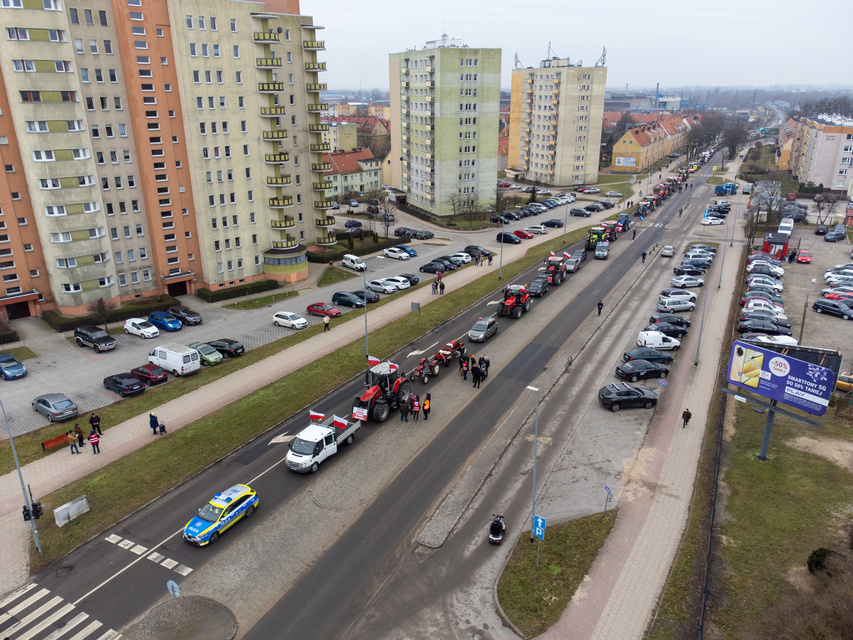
column 184, row 571
column 16, row 594
column 94, row 626
column 169, row 563
column 139, row 549
column 23, row 605
column 68, row 626
column 23, row 622
column 281, row 438
column 421, row 351
column 155, row 557
column 113, row 538
column 56, row 615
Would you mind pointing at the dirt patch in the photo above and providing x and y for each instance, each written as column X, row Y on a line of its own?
column 838, row 451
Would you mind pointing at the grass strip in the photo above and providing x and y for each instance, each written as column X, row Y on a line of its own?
column 534, row 599
column 264, row 301
column 21, row 353
column 125, row 485
column 333, row 275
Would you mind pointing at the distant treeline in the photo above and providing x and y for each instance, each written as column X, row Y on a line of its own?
column 840, row 105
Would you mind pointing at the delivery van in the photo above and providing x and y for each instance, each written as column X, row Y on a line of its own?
column 657, row 340
column 176, row 358
column 602, row 251
column 353, row 262
column 786, row 226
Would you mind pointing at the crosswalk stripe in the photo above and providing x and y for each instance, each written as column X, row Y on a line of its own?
column 23, row 605
column 17, row 594
column 56, row 615
column 23, row 622
column 110, row 635
column 69, row 626
column 88, row 630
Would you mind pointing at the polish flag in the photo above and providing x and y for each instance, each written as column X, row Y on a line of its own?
column 392, row 366
column 316, row 416
column 552, row 254
column 566, row 255
column 340, row 423
column 372, row 362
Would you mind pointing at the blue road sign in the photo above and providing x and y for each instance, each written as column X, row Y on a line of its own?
column 607, row 489
column 539, row 527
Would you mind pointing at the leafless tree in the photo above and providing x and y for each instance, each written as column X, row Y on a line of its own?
column 100, row 310
column 767, row 198
column 825, row 210
column 470, row 208
column 386, row 214
column 734, row 137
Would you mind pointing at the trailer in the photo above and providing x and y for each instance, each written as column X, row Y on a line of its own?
column 317, row 442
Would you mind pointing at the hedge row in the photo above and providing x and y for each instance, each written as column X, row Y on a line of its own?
column 6, row 334
column 139, row 309
column 237, row 292
column 338, row 251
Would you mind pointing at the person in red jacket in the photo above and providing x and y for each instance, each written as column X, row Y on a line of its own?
column 416, row 407
column 94, row 439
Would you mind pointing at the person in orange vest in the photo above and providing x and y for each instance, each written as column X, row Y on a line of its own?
column 94, row 439
column 426, row 407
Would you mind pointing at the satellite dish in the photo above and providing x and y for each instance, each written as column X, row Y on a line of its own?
column 279, row 29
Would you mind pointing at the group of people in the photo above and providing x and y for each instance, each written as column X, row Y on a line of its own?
column 76, row 439
column 479, row 368
column 414, row 406
column 437, row 287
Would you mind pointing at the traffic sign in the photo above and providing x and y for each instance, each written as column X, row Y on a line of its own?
column 607, row 489
column 173, row 588
column 539, row 527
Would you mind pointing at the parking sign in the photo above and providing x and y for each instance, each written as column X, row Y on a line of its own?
column 539, row 527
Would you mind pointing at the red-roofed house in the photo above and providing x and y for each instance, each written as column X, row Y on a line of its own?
column 642, row 146
column 372, row 133
column 354, row 172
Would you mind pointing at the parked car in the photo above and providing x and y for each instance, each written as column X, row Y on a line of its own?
column 185, row 315
column 475, row 248
column 762, row 326
column 507, row 238
column 667, row 251
column 592, row 190
column 353, row 262
column 804, row 256
column 165, row 321
column 595, row 207
column 347, row 299
column 228, row 347
column 150, row 374
column 124, row 384
column 403, row 232
column 624, row 396
column 671, row 330
column 647, row 353
column 411, row 277
column 394, row 252
column 582, row 213
column 674, row 304
column 434, row 267
column 140, row 327
column 379, row 286
column 821, row 230
column 289, row 320
column 710, row 221
column 688, row 270
column 833, row 308
column 483, row 329
column 669, row 318
column 763, row 338
column 449, row 265
column 553, row 222
column 399, row 281
column 353, row 203
column 404, row 247
column 207, row 355
column 524, row 235
column 634, row 370
column 613, row 194
column 462, row 257
column 352, row 224
column 537, row 228
column 687, row 281
column 55, row 407
column 11, row 368
column 94, row 337
column 539, row 286
column 681, row 294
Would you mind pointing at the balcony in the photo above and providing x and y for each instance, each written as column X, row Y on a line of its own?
column 555, row 92
column 324, row 204
column 553, row 123
column 404, row 111
column 428, row 156
column 270, row 87
column 430, row 69
column 317, row 128
column 262, row 37
column 320, row 147
column 272, row 112
column 275, row 135
column 276, row 158
column 527, row 120
column 318, row 107
column 287, row 223
column 405, row 163
column 325, row 239
column 322, row 186
column 313, row 45
column 405, row 137
column 281, row 203
column 557, row 80
column 315, row 66
column 555, row 102
column 278, row 181
column 404, row 84
column 325, row 222
column 530, row 81
column 529, row 91
column 316, row 87
column 427, row 98
column 430, row 141
column 407, row 124
column 267, row 63
column 406, row 175
column 284, row 244
column 321, row 167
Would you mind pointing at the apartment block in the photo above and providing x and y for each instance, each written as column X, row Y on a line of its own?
column 445, row 102
column 555, row 123
column 354, row 173
column 157, row 147
column 641, row 147
column 341, row 135
column 822, row 153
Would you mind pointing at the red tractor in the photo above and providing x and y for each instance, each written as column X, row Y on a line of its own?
column 516, row 301
column 556, row 269
column 388, row 390
column 430, row 367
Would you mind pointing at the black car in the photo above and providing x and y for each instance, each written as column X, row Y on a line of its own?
column 411, row 277
column 701, row 247
column 553, row 222
column 347, row 299
column 669, row 318
column 423, row 234
column 594, row 207
column 834, row 236
column 579, row 254
column 371, row 297
column 833, row 308
column 576, row 211
column 688, row 270
column 512, row 216
column 508, row 238
column 539, row 287
column 624, row 396
column 633, row 370
column 765, row 316
column 762, row 326
column 227, row 347
column 471, row 249
column 498, row 219
column 797, row 215
column 433, row 267
column 764, row 270
column 94, row 337
column 448, row 264
column 124, row 384
column 352, row 224
column 403, row 232
column 720, row 210
column 606, row 204
column 185, row 315
column 821, row 230
column 667, row 329
column 697, row 262
column 457, row 261
column 647, row 353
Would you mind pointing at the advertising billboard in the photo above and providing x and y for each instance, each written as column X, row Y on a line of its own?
column 626, row 162
column 779, row 377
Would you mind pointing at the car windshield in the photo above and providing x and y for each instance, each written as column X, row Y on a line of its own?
column 206, row 349
column 168, row 318
column 63, row 404
column 8, row 362
column 99, row 334
column 156, row 371
column 146, row 325
column 480, row 326
column 302, row 447
column 210, row 513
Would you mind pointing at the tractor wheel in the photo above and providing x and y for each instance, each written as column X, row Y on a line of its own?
column 412, row 376
column 526, row 306
column 516, row 312
column 435, row 370
column 426, row 378
column 403, row 393
column 380, row 412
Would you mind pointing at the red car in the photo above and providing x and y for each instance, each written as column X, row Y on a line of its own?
column 840, row 295
column 804, row 257
column 504, row 185
column 521, row 233
column 323, row 309
column 581, row 189
column 151, row 374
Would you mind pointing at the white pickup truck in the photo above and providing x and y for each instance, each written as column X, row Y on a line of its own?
column 317, row 442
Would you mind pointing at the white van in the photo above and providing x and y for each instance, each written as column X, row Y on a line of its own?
column 176, row 358
column 353, row 262
column 786, row 226
column 657, row 340
column 602, row 251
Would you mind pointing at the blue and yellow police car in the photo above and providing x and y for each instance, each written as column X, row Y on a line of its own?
column 220, row 514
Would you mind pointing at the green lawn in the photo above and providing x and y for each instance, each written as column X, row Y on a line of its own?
column 333, row 275
column 264, row 301
column 21, row 353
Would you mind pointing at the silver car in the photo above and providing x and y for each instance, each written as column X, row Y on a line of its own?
column 482, row 329
column 55, row 407
column 381, row 286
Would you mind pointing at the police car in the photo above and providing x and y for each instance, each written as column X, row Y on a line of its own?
column 219, row 514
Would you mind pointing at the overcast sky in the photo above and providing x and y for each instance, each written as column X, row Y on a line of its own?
column 721, row 43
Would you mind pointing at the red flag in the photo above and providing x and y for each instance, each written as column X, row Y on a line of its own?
column 316, row 416
column 340, row 423
column 392, row 366
column 566, row 254
column 371, row 361
column 552, row 254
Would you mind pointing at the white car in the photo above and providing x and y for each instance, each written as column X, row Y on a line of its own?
column 140, row 327
column 840, row 289
column 516, row 187
column 399, row 281
column 675, row 304
column 687, row 281
column 667, row 251
column 381, row 286
column 289, row 320
column 835, row 281
column 613, row 194
column 680, row 294
column 464, row 257
column 838, row 272
column 711, row 221
column 699, row 255
column 764, row 305
column 536, row 228
column 785, row 341
column 394, row 252
column 776, row 272
column 764, row 281
column 593, row 190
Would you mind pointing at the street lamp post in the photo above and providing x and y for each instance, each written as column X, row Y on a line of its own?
column 805, row 306
column 366, row 347
column 535, row 451
column 21, row 479
column 501, row 265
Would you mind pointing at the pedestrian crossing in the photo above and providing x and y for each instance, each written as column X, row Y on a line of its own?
column 34, row 613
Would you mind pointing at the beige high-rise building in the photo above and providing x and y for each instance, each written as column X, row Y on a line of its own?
column 555, row 124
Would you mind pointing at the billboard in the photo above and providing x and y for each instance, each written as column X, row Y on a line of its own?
column 779, row 377
column 626, row 162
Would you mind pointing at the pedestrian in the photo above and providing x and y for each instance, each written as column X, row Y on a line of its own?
column 680, row 211
column 72, row 441
column 95, row 421
column 490, row 259
column 153, row 423
column 416, row 407
column 438, row 277
column 326, row 323
column 475, row 375
column 634, row 237
column 482, row 363
column 465, row 369
column 79, row 433
column 600, row 306
column 404, row 411
column 485, row 370
column 441, row 288
column 643, row 256
column 686, row 418
column 94, row 439
column 434, row 287
column 476, row 259
column 426, row 406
